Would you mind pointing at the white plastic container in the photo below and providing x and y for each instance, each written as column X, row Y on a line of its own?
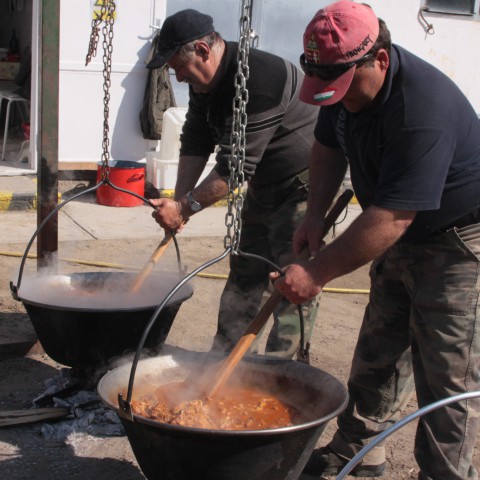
column 162, row 173
column 173, row 120
column 162, row 166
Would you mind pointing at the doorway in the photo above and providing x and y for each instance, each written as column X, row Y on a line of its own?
column 17, row 85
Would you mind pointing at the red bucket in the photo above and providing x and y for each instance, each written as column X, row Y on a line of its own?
column 123, row 174
column 26, row 130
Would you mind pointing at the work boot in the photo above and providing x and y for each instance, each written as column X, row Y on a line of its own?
column 324, row 461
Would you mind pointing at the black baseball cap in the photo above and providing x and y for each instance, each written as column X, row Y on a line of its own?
column 177, row 30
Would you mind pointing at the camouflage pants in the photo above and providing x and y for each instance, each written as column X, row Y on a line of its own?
column 419, row 332
column 269, row 219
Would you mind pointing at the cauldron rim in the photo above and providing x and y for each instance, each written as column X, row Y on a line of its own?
column 171, row 302
column 262, row 359
column 183, row 294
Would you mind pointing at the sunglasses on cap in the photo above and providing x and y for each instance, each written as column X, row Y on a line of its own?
column 329, row 72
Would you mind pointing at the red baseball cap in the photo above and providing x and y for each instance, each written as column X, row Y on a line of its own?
column 338, row 35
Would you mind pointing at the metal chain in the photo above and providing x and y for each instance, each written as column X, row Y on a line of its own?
column 107, row 16
column 236, row 161
column 92, row 46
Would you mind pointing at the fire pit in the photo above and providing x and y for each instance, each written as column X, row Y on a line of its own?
column 83, row 320
column 173, row 452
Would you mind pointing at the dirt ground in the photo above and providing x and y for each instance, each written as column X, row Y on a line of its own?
column 27, row 452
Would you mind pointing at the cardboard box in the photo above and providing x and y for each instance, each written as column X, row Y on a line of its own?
column 9, row 70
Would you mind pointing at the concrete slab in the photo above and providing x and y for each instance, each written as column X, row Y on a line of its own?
column 17, row 192
column 83, row 218
column 20, row 184
column 104, row 222
column 86, row 220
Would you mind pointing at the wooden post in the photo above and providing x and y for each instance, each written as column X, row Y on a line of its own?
column 47, row 187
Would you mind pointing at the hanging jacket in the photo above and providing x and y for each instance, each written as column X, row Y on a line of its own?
column 157, row 98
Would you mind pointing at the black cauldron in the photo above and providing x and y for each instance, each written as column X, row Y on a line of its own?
column 170, row 452
column 83, row 320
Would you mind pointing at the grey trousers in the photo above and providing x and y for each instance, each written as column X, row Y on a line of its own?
column 420, row 331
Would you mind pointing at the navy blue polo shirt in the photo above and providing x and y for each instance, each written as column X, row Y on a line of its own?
column 417, row 149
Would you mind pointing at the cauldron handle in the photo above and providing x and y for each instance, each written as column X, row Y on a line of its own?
column 15, row 288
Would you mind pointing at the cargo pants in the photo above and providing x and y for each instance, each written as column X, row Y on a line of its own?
column 420, row 331
column 269, row 219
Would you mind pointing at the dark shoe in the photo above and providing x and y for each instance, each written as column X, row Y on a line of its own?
column 324, row 461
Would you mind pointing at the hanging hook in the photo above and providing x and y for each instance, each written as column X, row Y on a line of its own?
column 428, row 27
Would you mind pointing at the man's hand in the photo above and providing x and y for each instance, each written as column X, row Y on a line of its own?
column 297, row 284
column 308, row 236
column 168, row 214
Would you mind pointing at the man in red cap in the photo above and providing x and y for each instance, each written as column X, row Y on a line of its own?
column 412, row 142
column 278, row 138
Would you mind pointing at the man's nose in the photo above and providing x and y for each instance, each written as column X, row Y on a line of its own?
column 179, row 76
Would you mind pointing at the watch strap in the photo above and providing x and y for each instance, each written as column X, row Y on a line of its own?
column 192, row 203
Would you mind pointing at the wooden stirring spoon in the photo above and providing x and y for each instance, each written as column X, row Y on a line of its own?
column 242, row 346
column 147, row 269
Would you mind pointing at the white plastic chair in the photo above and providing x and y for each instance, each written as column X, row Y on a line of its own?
column 11, row 98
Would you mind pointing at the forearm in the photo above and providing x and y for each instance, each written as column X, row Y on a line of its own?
column 190, row 168
column 326, row 172
column 212, row 189
column 369, row 235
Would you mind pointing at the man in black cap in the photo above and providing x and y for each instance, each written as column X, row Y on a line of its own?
column 278, row 137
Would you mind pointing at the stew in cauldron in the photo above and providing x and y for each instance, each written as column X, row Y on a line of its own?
column 232, row 408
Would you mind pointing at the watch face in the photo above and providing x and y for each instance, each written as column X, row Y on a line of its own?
column 195, row 206
column 192, row 203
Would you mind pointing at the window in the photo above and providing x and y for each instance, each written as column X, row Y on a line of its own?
column 453, row 7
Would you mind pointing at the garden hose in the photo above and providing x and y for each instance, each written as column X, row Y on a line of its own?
column 216, row 276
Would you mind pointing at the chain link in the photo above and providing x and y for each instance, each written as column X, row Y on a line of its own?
column 107, row 16
column 92, row 46
column 233, row 220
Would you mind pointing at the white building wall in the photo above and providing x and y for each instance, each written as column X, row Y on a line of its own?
column 453, row 48
column 81, row 87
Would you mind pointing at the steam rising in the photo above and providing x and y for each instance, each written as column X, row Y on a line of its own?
column 97, row 290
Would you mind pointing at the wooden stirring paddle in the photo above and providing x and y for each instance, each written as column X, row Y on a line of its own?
column 147, row 269
column 242, row 346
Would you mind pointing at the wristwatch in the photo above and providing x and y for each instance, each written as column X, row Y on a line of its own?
column 192, row 203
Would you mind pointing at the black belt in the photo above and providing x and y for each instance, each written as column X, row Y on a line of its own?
column 284, row 186
column 464, row 221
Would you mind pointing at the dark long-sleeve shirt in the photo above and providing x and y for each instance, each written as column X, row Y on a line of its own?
column 279, row 131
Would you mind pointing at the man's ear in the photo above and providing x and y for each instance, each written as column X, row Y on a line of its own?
column 202, row 49
column 383, row 58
